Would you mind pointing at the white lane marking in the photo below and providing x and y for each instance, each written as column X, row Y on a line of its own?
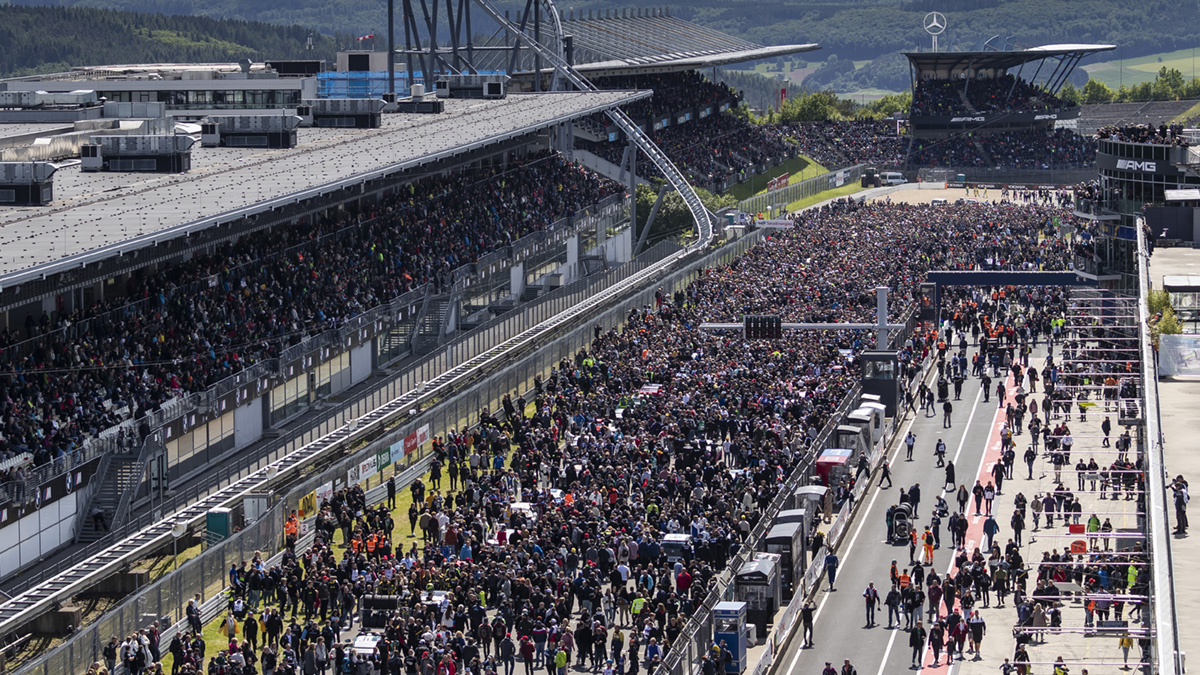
column 864, row 517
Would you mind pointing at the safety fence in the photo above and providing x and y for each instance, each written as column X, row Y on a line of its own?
column 205, row 576
column 1165, row 619
column 1179, row 355
column 696, row 638
column 780, row 198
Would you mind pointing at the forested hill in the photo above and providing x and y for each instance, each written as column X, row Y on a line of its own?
column 49, row 39
column 852, row 29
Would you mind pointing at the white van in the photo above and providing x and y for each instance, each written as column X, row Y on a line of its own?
column 893, row 178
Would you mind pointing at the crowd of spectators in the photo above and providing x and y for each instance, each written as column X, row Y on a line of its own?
column 673, row 92
column 539, row 536
column 838, row 144
column 1006, row 93
column 711, row 151
column 187, row 325
column 1033, row 149
column 1163, row 134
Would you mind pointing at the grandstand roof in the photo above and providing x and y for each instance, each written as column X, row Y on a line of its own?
column 998, row 60
column 95, row 216
column 639, row 41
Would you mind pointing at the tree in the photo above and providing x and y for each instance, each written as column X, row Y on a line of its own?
column 1168, row 86
column 1096, row 91
column 1069, row 95
column 1158, row 301
column 1169, row 323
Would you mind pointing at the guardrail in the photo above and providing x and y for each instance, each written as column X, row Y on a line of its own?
column 1162, row 603
column 82, row 648
column 801, row 189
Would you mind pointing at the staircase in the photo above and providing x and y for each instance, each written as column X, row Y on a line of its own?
column 429, row 331
column 593, row 263
column 966, row 104
column 987, row 158
column 122, row 473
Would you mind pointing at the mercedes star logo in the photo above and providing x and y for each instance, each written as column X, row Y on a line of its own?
column 935, row 23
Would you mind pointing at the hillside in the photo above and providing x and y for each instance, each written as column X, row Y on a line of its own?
column 861, row 30
column 48, row 39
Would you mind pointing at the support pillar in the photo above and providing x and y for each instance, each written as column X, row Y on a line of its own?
column 572, row 264
column 516, row 275
column 633, row 151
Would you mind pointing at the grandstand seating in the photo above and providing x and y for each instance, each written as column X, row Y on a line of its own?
column 1093, row 117
column 838, row 144
column 713, row 151
column 186, row 326
column 1036, row 149
column 983, row 95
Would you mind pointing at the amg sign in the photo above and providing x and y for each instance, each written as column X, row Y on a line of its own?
column 954, row 120
column 1134, row 165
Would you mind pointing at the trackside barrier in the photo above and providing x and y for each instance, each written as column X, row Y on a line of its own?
column 1165, row 622
column 207, row 574
column 786, row 623
column 696, row 637
column 801, row 189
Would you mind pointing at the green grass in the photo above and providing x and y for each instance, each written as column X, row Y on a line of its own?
column 800, row 168
column 863, row 96
column 1192, row 112
column 1142, row 69
column 847, row 189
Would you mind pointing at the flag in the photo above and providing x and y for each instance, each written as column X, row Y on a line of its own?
column 365, row 37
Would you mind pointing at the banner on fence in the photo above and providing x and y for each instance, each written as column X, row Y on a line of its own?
column 410, row 443
column 423, row 435
column 308, row 504
column 397, row 451
column 324, row 493
column 352, row 475
column 384, row 458
column 368, row 467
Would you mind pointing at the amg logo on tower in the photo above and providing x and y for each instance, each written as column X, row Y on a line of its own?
column 1134, row 165
column 966, row 119
column 1048, row 116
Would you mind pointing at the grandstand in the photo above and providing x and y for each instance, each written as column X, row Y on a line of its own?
column 451, row 292
column 978, row 90
column 1095, row 116
column 137, row 252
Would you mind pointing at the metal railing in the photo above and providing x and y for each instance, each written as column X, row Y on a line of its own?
column 1167, row 650
column 206, row 574
column 695, row 639
column 109, row 441
column 804, row 189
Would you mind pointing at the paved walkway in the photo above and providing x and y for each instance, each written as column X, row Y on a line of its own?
column 973, row 444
